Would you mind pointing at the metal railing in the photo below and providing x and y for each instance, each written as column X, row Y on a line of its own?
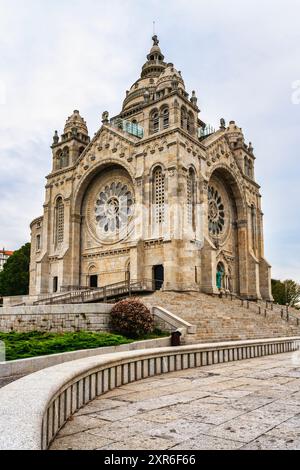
column 71, row 288
column 87, row 294
column 204, row 132
column 264, row 307
column 128, row 126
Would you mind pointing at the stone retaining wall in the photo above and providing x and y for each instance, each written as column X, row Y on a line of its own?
column 55, row 318
column 34, row 408
column 75, row 317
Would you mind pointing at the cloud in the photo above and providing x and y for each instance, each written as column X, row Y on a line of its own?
column 240, row 57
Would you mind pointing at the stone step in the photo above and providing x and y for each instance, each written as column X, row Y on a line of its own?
column 223, row 319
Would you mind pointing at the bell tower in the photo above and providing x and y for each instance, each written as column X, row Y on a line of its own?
column 67, row 149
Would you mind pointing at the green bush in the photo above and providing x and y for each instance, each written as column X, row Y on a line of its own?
column 35, row 343
column 131, row 318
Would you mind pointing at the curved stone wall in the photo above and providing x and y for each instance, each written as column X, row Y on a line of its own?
column 34, row 409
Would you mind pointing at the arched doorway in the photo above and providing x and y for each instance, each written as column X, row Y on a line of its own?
column 93, row 279
column 220, row 276
column 158, row 276
column 226, row 214
column 127, row 273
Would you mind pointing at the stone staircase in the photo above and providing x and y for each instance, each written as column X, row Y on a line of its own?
column 223, row 319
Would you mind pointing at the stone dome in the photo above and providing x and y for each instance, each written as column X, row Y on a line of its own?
column 76, row 121
column 168, row 76
column 156, row 76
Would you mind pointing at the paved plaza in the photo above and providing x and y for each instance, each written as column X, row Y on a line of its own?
column 250, row 404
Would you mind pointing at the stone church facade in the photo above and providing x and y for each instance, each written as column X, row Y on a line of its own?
column 155, row 194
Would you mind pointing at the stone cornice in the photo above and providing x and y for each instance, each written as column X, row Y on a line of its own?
column 37, row 220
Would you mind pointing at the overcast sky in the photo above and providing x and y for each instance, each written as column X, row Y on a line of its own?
column 241, row 57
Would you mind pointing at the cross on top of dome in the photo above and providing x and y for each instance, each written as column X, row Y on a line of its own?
column 155, row 52
column 155, row 40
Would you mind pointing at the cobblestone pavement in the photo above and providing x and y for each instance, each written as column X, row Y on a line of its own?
column 251, row 404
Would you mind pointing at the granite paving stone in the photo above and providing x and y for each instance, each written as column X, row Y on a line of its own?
column 245, row 405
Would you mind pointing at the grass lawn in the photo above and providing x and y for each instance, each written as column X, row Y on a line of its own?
column 35, row 343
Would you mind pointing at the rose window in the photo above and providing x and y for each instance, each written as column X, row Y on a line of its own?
column 114, row 207
column 216, row 212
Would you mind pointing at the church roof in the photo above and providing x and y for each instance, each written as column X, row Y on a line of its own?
column 76, row 121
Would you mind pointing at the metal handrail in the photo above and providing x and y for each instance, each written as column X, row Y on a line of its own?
column 89, row 294
column 264, row 304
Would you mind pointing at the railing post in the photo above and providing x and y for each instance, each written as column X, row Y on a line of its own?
column 104, row 294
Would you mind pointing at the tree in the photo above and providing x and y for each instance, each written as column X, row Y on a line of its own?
column 14, row 279
column 286, row 292
column 278, row 292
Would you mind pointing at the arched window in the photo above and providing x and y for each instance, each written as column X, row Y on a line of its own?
column 183, row 119
column 190, row 123
column 159, row 195
column 191, row 197
column 65, row 157
column 38, row 242
column 165, row 117
column 58, row 164
column 59, row 221
column 154, row 122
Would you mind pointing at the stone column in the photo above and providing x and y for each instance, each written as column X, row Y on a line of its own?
column 171, row 229
column 75, row 243
column 208, row 268
column 137, row 261
column 242, row 229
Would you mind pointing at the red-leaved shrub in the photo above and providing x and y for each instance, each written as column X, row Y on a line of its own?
column 131, row 318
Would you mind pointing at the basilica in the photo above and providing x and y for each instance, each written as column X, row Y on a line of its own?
column 155, row 194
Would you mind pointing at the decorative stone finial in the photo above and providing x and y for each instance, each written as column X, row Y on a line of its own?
column 194, row 98
column 55, row 138
column 222, row 124
column 105, row 117
column 155, row 40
